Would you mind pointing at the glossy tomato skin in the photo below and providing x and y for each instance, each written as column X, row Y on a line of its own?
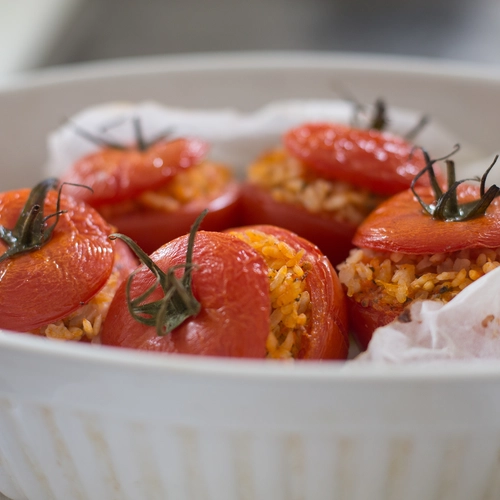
column 230, row 282
column 46, row 285
column 153, row 228
column 400, row 225
column 117, row 175
column 378, row 161
column 327, row 334
column 331, row 235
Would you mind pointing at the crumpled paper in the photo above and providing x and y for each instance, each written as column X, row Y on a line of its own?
column 467, row 327
column 236, row 138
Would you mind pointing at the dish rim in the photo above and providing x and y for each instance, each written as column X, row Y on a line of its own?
column 247, row 61
column 116, row 358
column 250, row 60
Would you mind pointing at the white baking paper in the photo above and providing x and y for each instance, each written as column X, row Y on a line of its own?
column 236, row 138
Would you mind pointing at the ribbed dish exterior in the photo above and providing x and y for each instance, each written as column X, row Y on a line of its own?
column 63, row 454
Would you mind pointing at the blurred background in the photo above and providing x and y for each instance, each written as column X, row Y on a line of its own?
column 39, row 33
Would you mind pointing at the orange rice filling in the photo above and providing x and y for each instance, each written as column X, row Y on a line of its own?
column 290, row 299
column 289, row 181
column 206, row 180
column 377, row 278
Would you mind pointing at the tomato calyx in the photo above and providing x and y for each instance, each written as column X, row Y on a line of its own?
column 178, row 302
column 141, row 143
column 379, row 119
column 30, row 234
column 446, row 206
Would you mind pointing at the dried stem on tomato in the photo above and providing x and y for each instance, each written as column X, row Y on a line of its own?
column 379, row 120
column 178, row 302
column 446, row 206
column 141, row 144
column 30, row 233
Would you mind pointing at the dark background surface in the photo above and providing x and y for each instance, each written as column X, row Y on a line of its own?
column 108, row 29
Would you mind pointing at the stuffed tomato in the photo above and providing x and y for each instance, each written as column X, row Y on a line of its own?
column 420, row 244
column 252, row 292
column 154, row 192
column 58, row 268
column 326, row 178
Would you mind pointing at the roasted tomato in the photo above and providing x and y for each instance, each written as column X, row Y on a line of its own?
column 420, row 244
column 154, row 192
column 326, row 178
column 252, row 292
column 58, row 269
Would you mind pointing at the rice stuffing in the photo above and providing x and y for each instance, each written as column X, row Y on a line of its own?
column 206, row 180
column 85, row 323
column 289, row 181
column 290, row 299
column 381, row 279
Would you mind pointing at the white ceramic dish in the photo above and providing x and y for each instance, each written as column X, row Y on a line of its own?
column 80, row 422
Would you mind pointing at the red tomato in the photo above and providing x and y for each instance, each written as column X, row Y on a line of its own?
column 327, row 180
column 43, row 285
column 117, row 175
column 130, row 189
column 378, row 161
column 230, row 281
column 333, row 236
column 400, row 225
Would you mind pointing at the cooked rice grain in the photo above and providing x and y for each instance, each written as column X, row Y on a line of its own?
column 290, row 300
column 205, row 180
column 378, row 278
column 288, row 181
